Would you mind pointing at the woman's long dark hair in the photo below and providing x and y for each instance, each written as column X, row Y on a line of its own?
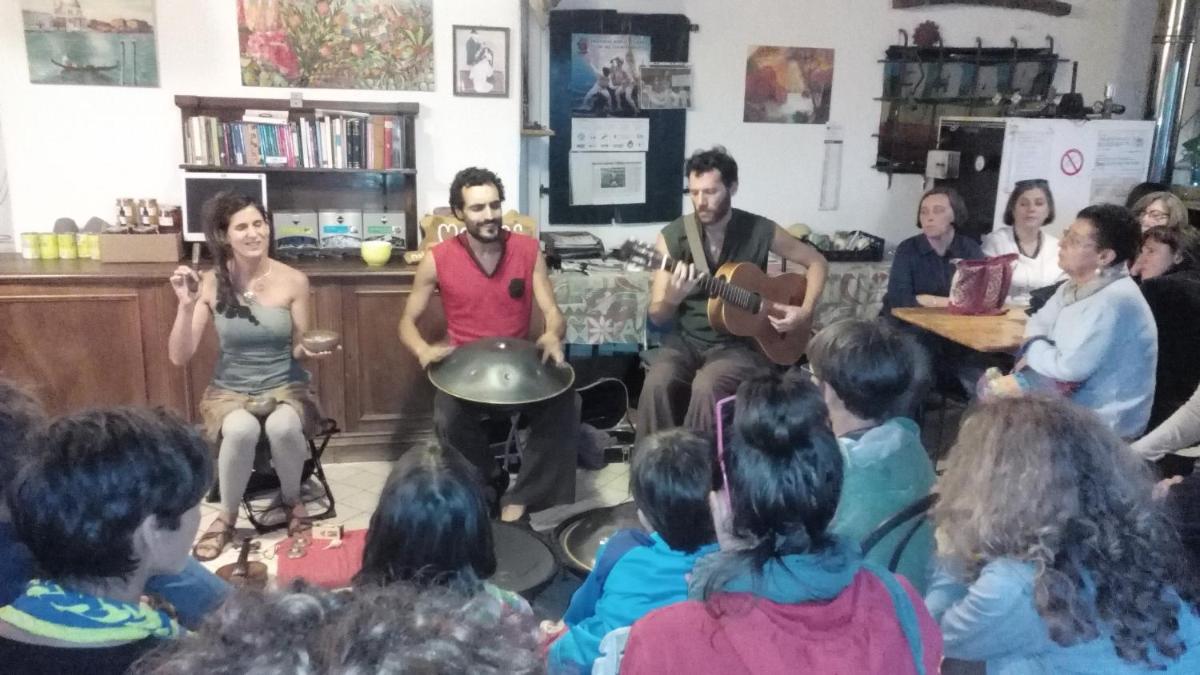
column 217, row 213
column 785, row 476
column 431, row 526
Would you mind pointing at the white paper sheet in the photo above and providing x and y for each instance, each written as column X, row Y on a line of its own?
column 610, row 134
column 1029, row 155
column 608, row 178
column 1121, row 158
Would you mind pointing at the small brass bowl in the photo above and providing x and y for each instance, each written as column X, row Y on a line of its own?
column 317, row 341
column 261, row 406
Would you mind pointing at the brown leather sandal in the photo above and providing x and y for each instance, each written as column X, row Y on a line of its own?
column 213, row 542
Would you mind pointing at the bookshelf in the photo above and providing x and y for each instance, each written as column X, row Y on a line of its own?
column 309, row 169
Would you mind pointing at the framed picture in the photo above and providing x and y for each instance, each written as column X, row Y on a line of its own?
column 480, row 61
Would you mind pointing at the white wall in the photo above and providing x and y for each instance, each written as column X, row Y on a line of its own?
column 72, row 150
column 780, row 164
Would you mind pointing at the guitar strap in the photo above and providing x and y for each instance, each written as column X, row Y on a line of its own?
column 696, row 243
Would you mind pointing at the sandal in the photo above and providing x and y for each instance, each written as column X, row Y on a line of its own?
column 213, row 542
column 299, row 527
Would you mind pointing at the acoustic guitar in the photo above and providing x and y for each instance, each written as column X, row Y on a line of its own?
column 740, row 300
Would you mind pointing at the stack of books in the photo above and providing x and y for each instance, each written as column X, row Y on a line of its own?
column 325, row 139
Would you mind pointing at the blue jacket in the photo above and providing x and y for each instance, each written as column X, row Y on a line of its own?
column 886, row 469
column 995, row 620
column 635, row 573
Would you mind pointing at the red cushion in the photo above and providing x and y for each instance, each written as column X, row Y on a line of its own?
column 325, row 567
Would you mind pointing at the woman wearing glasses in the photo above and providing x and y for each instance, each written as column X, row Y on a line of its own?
column 1030, row 208
column 1161, row 208
column 1096, row 334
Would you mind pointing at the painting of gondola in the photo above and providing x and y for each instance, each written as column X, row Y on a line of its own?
column 96, row 42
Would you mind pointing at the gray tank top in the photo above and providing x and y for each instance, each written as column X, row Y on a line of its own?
column 256, row 357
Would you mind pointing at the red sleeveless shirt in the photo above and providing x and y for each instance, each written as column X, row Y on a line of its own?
column 478, row 305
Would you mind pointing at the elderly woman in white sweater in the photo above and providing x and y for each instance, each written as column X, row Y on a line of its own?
column 1096, row 331
column 1030, row 208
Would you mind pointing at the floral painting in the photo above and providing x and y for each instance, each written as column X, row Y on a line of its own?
column 94, row 42
column 337, row 44
column 788, row 85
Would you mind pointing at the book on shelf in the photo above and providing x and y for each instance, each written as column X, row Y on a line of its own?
column 330, row 139
column 265, row 116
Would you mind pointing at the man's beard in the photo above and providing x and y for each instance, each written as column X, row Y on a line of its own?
column 475, row 231
column 714, row 215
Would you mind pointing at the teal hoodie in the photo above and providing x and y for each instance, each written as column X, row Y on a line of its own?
column 886, row 469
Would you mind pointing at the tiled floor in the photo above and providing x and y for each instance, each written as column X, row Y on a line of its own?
column 356, row 487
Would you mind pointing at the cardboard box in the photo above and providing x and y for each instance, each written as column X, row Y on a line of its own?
column 126, row 248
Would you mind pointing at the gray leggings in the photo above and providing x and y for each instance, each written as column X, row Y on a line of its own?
column 239, row 436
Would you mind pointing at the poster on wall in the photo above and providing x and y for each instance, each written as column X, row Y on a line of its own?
column 480, row 61
column 337, row 44
column 666, row 86
column 590, row 134
column 91, row 42
column 605, row 76
column 608, row 178
column 788, row 85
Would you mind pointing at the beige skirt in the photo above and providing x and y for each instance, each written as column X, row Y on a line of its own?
column 217, row 403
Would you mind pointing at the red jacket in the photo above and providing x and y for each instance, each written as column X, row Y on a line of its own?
column 855, row 633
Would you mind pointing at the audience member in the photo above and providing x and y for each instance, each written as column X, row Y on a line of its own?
column 784, row 594
column 305, row 630
column 1096, row 334
column 1161, row 209
column 257, row 304
column 869, row 375
column 1141, row 190
column 1171, row 286
column 921, row 274
column 1053, row 558
column 431, row 528
column 109, row 499
column 670, row 478
column 1030, row 208
column 193, row 593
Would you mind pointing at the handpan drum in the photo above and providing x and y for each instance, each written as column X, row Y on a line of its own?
column 500, row 372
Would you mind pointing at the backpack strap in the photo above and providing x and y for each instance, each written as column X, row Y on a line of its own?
column 906, row 614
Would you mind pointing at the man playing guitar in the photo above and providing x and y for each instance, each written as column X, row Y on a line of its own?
column 696, row 365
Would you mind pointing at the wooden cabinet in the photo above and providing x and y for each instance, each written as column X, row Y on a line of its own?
column 81, row 333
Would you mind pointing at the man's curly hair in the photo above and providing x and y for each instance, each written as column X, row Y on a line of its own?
column 383, row 630
column 1044, row 481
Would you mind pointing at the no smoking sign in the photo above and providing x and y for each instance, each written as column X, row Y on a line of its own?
column 1071, row 162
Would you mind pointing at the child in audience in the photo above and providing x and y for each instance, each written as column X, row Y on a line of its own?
column 193, row 593
column 305, row 630
column 784, row 595
column 869, row 375
column 1053, row 557
column 109, row 499
column 431, row 528
column 671, row 476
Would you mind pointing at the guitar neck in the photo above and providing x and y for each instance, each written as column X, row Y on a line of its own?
column 715, row 286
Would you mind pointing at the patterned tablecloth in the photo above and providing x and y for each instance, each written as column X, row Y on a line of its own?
column 603, row 306
column 852, row 290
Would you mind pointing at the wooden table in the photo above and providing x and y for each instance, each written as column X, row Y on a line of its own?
column 996, row 333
